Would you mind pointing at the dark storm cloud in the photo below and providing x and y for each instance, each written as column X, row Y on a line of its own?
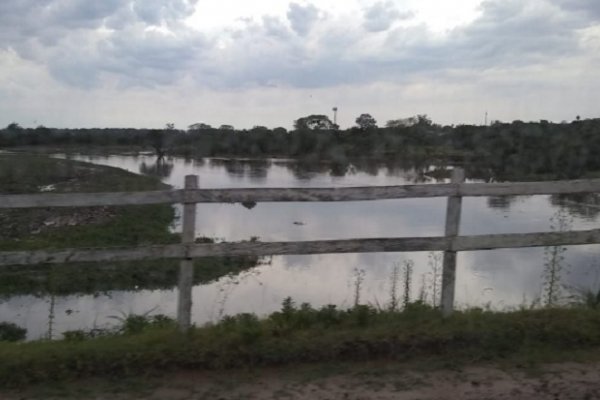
column 380, row 16
column 46, row 21
column 150, row 58
column 63, row 35
column 71, row 14
column 274, row 27
column 591, row 8
column 153, row 12
column 302, row 18
column 509, row 33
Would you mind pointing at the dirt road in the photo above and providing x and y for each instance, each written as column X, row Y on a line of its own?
column 376, row 381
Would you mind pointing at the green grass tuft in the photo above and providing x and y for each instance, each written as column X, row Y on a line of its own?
column 304, row 334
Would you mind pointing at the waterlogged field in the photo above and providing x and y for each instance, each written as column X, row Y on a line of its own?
column 501, row 279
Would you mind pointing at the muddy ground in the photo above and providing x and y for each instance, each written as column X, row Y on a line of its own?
column 566, row 381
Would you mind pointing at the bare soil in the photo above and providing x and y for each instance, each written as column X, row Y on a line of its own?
column 379, row 381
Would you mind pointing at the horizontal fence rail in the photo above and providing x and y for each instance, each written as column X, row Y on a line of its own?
column 371, row 245
column 187, row 250
column 297, row 194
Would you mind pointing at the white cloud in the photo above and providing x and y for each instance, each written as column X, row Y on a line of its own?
column 279, row 59
column 302, row 17
column 381, row 15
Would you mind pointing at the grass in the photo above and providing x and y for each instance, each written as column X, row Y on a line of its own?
column 56, row 228
column 74, row 226
column 25, row 173
column 68, row 279
column 296, row 334
column 307, row 335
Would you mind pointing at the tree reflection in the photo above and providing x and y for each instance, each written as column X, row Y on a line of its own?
column 583, row 205
column 255, row 170
column 339, row 169
column 501, row 202
column 258, row 170
column 161, row 168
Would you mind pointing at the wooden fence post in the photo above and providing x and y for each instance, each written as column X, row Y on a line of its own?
column 186, row 268
column 452, row 227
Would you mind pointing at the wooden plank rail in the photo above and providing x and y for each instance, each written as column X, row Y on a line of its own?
column 450, row 243
column 371, row 245
column 297, row 194
column 185, row 282
column 90, row 199
column 453, row 212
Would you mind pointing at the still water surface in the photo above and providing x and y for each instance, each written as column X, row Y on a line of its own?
column 499, row 279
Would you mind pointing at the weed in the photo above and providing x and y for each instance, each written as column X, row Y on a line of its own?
column 230, row 281
column 588, row 297
column 359, row 278
column 76, row 335
column 136, row 323
column 10, row 332
column 554, row 261
column 434, row 261
column 394, row 279
column 407, row 272
column 301, row 334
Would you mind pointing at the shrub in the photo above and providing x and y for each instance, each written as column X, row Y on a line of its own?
column 10, row 332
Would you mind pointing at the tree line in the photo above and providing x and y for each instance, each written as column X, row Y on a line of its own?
column 508, row 149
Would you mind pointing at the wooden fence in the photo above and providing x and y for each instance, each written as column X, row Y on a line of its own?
column 450, row 243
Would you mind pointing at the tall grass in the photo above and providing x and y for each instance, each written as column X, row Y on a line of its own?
column 302, row 334
column 555, row 266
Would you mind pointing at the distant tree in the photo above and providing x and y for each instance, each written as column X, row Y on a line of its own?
column 225, row 127
column 14, row 127
column 424, row 120
column 259, row 129
column 280, row 131
column 401, row 122
column 366, row 121
column 420, row 119
column 159, row 139
column 199, row 126
column 314, row 122
column 41, row 129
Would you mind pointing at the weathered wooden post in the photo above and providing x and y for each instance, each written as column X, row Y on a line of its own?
column 186, row 268
column 452, row 227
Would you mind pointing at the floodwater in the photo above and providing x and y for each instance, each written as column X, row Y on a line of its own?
column 499, row 279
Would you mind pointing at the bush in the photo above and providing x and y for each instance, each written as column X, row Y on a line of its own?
column 10, row 332
column 147, row 344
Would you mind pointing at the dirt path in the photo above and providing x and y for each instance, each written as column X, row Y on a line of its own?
column 355, row 382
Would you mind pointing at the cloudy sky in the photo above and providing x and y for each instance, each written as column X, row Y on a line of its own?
column 143, row 63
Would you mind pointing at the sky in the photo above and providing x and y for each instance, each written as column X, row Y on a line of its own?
column 145, row 63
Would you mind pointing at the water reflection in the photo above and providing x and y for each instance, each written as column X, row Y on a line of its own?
column 583, row 205
column 160, row 168
column 255, row 170
column 501, row 202
column 501, row 278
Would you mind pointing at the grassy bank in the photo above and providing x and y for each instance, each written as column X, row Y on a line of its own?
column 91, row 278
column 55, row 228
column 304, row 334
column 77, row 226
